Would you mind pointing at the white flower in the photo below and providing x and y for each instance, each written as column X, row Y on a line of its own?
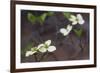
column 39, row 46
column 78, row 19
column 51, row 48
column 48, row 42
column 66, row 31
column 43, row 49
column 46, row 47
column 28, row 53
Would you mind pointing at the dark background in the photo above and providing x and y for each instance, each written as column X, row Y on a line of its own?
column 67, row 47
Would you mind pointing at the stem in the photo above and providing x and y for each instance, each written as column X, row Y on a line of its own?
column 43, row 56
column 35, row 56
column 71, row 40
column 80, row 46
column 46, row 54
column 56, row 33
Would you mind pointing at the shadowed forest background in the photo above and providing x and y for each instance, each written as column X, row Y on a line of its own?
column 67, row 47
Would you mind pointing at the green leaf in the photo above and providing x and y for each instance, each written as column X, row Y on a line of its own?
column 66, row 14
column 31, row 17
column 78, row 32
column 34, row 49
column 42, row 18
column 39, row 20
column 50, row 13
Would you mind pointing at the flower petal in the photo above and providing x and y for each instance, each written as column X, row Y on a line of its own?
column 48, row 42
column 51, row 48
column 69, row 28
column 74, row 22
column 63, row 31
column 72, row 18
column 80, row 19
column 81, row 22
column 28, row 53
column 43, row 49
column 39, row 46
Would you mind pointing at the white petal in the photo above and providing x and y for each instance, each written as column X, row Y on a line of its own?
column 51, row 49
column 80, row 19
column 66, row 31
column 63, row 31
column 43, row 49
column 81, row 22
column 74, row 22
column 72, row 18
column 48, row 42
column 28, row 53
column 69, row 27
column 39, row 46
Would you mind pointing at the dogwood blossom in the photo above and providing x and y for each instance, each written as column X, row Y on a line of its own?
column 78, row 19
column 66, row 31
column 44, row 47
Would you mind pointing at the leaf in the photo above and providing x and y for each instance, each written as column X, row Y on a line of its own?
column 78, row 32
column 42, row 18
column 66, row 14
column 31, row 17
column 34, row 49
column 50, row 13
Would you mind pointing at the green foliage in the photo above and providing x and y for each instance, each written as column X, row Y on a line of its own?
column 67, row 14
column 78, row 32
column 34, row 49
column 42, row 18
column 50, row 13
column 31, row 17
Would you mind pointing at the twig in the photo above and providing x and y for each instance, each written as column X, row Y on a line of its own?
column 43, row 56
column 35, row 56
column 80, row 46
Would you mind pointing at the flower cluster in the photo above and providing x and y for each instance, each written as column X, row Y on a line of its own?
column 45, row 47
column 66, row 31
column 78, row 19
